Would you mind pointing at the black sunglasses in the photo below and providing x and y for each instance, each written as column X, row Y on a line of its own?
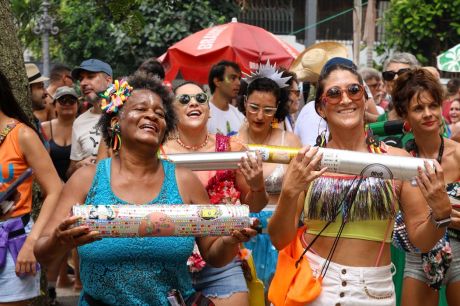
column 185, row 99
column 390, row 75
column 67, row 100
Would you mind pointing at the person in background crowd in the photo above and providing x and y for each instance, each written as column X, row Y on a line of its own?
column 225, row 285
column 393, row 67
column 59, row 130
column 293, row 102
column 20, row 149
column 373, row 80
column 94, row 76
column 224, row 83
column 59, row 76
column 38, row 96
column 454, row 115
column 139, row 270
column 349, row 257
column 153, row 67
column 417, row 97
column 453, row 93
column 59, row 133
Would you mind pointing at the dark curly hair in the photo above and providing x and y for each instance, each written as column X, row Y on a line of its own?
column 141, row 80
column 268, row 85
column 410, row 84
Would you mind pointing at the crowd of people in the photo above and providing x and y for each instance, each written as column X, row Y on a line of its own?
column 322, row 238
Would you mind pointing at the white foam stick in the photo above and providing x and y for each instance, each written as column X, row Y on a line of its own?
column 352, row 162
column 339, row 161
column 163, row 219
column 208, row 161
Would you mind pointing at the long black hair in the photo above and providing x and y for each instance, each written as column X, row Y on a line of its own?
column 9, row 105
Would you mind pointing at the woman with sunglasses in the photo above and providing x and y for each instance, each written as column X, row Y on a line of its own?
column 59, row 130
column 225, row 285
column 418, row 97
column 266, row 100
column 349, row 219
column 59, row 133
column 396, row 65
column 137, row 118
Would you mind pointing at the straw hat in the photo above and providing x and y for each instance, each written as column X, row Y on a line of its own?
column 307, row 66
column 33, row 74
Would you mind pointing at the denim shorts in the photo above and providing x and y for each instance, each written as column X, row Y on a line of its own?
column 414, row 268
column 14, row 288
column 353, row 286
column 220, row 282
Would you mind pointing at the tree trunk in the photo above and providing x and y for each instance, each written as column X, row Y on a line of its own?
column 12, row 62
column 12, row 65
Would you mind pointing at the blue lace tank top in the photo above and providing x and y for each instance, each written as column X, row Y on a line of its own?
column 135, row 271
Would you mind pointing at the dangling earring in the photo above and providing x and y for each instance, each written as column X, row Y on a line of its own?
column 406, row 127
column 115, row 140
column 321, row 140
column 372, row 142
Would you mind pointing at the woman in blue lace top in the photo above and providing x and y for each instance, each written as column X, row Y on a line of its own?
column 134, row 271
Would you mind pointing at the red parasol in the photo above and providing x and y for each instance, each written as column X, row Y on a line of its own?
column 242, row 43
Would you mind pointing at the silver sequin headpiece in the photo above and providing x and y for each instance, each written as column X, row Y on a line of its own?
column 268, row 71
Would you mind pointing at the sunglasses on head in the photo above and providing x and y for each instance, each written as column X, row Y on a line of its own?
column 66, row 100
column 185, row 99
column 334, row 94
column 390, row 75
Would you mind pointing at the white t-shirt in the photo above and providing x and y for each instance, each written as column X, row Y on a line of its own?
column 85, row 136
column 225, row 122
column 309, row 125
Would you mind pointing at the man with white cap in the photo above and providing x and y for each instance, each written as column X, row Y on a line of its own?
column 94, row 76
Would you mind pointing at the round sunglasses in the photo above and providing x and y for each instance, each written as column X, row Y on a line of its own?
column 334, row 94
column 185, row 99
column 390, row 75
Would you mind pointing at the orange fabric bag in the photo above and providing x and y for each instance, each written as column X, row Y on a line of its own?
column 293, row 286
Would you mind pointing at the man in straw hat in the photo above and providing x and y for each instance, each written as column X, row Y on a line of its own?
column 38, row 97
column 37, row 90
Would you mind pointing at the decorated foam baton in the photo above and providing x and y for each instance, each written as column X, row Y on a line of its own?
column 339, row 161
column 208, row 161
column 352, row 162
column 163, row 219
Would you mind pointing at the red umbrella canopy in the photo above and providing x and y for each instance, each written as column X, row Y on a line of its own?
column 242, row 43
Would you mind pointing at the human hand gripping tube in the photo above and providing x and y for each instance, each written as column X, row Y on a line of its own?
column 163, row 219
column 351, row 162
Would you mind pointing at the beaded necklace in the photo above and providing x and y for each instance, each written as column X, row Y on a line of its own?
column 193, row 148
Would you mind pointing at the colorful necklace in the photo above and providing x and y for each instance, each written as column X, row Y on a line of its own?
column 193, row 148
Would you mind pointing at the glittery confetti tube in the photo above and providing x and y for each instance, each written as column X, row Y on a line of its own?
column 351, row 162
column 208, row 161
column 163, row 220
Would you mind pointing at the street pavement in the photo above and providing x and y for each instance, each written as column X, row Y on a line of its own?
column 67, row 296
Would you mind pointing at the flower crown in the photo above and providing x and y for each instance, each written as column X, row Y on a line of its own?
column 268, row 71
column 115, row 96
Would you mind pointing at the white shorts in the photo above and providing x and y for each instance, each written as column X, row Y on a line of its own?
column 353, row 286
